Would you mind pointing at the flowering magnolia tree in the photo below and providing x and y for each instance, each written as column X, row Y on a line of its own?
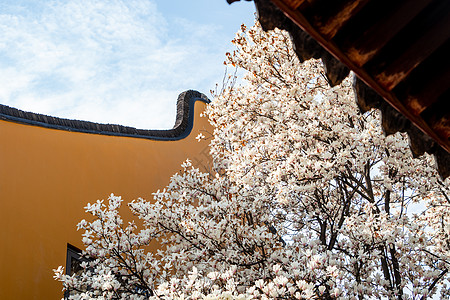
column 307, row 200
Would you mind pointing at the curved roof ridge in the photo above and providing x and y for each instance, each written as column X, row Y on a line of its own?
column 182, row 128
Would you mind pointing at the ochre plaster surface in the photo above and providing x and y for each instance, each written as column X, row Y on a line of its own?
column 47, row 176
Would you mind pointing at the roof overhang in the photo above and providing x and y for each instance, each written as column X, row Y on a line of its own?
column 399, row 49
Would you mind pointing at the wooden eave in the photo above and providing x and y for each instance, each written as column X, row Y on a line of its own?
column 398, row 50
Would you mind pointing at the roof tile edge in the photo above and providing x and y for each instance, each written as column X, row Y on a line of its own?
column 306, row 47
column 183, row 124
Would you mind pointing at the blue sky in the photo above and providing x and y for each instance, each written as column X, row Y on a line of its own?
column 114, row 61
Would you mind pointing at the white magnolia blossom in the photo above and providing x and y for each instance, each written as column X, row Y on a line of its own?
column 307, row 200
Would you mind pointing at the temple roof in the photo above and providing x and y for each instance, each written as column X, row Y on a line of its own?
column 398, row 51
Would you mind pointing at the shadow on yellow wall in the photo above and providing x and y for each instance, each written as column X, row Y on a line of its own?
column 48, row 175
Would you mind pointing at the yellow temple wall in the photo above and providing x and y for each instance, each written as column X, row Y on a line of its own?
column 47, row 176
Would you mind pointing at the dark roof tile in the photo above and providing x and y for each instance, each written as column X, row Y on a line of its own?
column 182, row 128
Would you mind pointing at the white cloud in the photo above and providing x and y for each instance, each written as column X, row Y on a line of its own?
column 104, row 61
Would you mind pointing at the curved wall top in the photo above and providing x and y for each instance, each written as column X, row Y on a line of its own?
column 182, row 128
